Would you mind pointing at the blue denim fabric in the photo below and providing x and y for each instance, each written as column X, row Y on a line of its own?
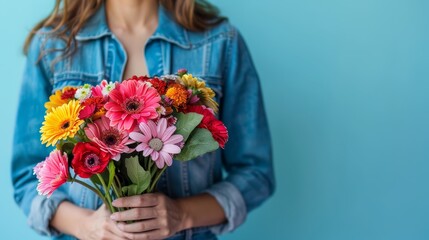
column 240, row 177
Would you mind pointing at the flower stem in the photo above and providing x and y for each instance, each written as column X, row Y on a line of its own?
column 117, row 192
column 94, row 189
column 115, row 189
column 153, row 184
column 106, row 193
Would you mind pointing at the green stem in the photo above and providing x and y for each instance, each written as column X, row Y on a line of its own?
column 118, row 182
column 115, row 189
column 117, row 192
column 107, row 193
column 118, row 185
column 95, row 190
column 153, row 184
column 149, row 163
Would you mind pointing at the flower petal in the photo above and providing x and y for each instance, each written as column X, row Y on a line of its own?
column 167, row 158
column 144, row 127
column 168, row 132
column 162, row 126
column 136, row 136
column 171, row 148
column 174, row 139
column 160, row 164
column 141, row 147
column 154, row 155
column 147, row 151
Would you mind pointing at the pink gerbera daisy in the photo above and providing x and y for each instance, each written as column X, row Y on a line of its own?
column 52, row 173
column 158, row 141
column 131, row 103
column 110, row 139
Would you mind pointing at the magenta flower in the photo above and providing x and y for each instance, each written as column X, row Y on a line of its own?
column 131, row 103
column 158, row 141
column 52, row 173
column 109, row 139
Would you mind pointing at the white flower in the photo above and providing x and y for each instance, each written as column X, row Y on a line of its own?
column 83, row 93
column 108, row 88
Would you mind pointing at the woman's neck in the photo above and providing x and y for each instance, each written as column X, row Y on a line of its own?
column 131, row 15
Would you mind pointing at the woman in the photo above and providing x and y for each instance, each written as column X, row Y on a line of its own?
column 87, row 41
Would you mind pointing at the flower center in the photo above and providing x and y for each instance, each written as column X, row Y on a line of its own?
column 132, row 105
column 65, row 125
column 111, row 137
column 92, row 160
column 156, row 144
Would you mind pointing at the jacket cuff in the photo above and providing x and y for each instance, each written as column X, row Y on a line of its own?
column 232, row 202
column 41, row 212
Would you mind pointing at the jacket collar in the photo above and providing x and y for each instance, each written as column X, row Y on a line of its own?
column 168, row 29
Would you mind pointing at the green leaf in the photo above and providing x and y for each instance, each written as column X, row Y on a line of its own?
column 186, row 123
column 131, row 190
column 200, row 142
column 67, row 147
column 139, row 177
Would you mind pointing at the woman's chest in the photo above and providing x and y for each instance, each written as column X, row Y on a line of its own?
column 134, row 47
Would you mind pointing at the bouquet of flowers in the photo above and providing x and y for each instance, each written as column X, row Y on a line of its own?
column 122, row 136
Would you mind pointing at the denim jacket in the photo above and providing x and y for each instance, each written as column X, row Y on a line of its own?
column 240, row 177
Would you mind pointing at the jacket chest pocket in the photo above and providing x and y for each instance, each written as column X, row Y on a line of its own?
column 75, row 79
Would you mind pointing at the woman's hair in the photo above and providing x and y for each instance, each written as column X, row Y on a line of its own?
column 69, row 16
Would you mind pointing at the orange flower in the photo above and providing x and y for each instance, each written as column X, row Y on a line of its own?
column 178, row 94
column 101, row 112
column 59, row 98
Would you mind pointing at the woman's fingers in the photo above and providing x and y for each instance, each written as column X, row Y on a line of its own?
column 134, row 214
column 145, row 200
column 141, row 226
column 153, row 235
column 117, row 232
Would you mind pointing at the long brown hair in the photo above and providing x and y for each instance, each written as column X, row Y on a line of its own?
column 69, row 16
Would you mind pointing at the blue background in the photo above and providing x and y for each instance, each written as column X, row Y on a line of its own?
column 346, row 86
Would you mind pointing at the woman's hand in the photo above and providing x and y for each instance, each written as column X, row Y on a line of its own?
column 155, row 216
column 98, row 225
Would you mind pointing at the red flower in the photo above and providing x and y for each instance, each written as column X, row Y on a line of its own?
column 209, row 122
column 91, row 106
column 139, row 78
column 219, row 132
column 68, row 93
column 159, row 85
column 88, row 159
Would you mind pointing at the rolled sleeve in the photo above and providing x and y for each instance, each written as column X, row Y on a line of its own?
column 232, row 202
column 41, row 212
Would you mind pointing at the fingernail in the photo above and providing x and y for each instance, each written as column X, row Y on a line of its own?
column 114, row 203
column 114, row 216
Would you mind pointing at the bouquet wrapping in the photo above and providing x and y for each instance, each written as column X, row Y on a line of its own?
column 123, row 136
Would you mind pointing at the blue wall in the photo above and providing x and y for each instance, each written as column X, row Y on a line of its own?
column 346, row 85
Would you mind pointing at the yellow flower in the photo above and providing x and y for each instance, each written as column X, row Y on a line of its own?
column 178, row 94
column 56, row 100
column 62, row 122
column 206, row 94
